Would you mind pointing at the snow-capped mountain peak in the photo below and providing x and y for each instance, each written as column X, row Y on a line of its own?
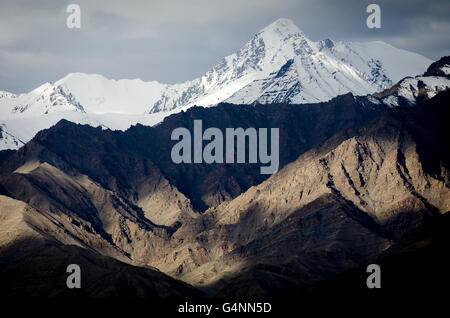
column 278, row 64
column 265, row 53
column 258, row 72
column 282, row 26
column 318, row 71
column 276, row 33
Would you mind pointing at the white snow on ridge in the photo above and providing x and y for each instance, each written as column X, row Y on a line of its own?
column 8, row 140
column 323, row 70
column 45, row 99
column 265, row 53
column 396, row 63
column 330, row 68
column 366, row 66
column 412, row 88
column 279, row 64
column 16, row 132
column 86, row 93
column 5, row 94
column 98, row 94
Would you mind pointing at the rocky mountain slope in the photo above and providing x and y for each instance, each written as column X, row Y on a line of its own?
column 336, row 207
column 38, row 245
column 126, row 162
column 355, row 178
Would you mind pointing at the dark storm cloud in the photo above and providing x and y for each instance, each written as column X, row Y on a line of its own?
column 173, row 41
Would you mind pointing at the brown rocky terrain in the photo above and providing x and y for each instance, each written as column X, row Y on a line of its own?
column 334, row 208
column 355, row 181
column 37, row 247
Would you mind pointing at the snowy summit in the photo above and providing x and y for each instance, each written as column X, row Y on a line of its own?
column 279, row 64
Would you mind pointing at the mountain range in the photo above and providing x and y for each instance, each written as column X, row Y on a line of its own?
column 87, row 178
column 278, row 65
column 359, row 181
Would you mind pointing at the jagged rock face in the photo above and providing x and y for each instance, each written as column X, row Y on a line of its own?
column 365, row 179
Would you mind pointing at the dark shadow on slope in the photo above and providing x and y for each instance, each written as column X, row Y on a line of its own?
column 41, row 273
column 116, row 159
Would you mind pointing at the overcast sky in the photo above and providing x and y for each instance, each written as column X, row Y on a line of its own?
column 178, row 40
